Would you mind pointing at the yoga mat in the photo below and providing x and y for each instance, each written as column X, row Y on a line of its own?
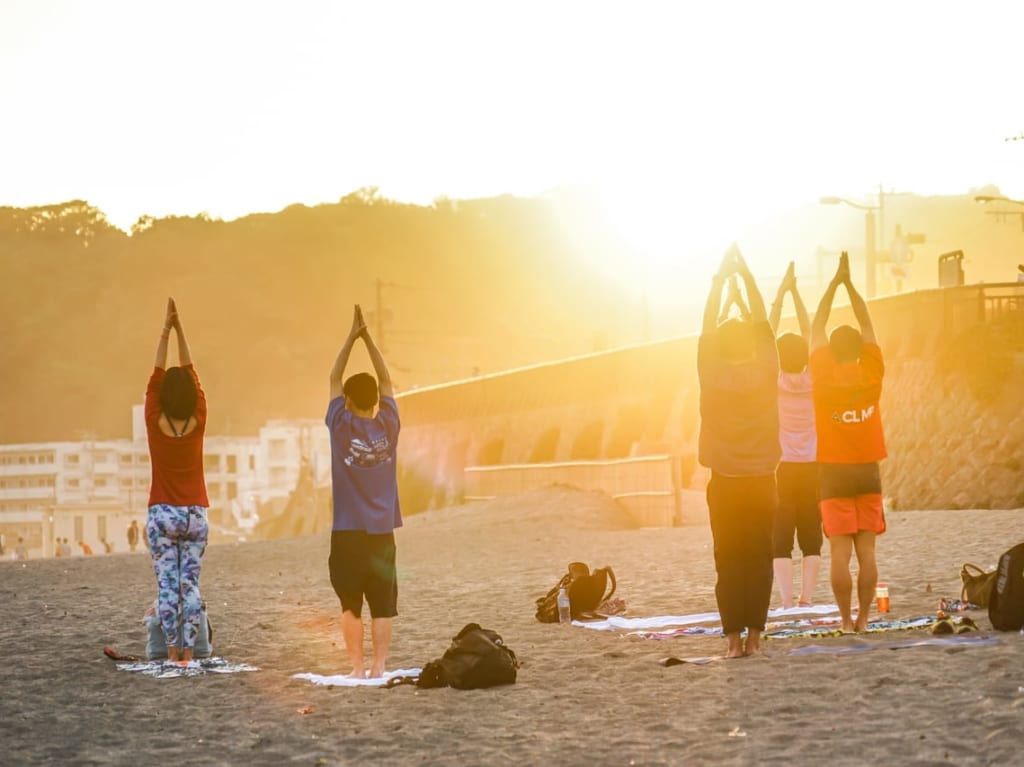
column 162, row 669
column 618, row 622
column 940, row 641
column 700, row 661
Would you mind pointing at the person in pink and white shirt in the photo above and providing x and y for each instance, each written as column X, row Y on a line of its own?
column 797, row 474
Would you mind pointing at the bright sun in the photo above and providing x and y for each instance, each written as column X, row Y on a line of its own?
column 674, row 243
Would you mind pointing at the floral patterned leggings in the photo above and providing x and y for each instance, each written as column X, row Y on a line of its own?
column 177, row 539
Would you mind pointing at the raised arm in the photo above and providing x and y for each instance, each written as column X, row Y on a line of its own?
column 801, row 313
column 818, row 335
column 776, row 313
column 714, row 304
column 384, row 384
column 161, row 348
column 860, row 311
column 184, row 353
column 341, row 362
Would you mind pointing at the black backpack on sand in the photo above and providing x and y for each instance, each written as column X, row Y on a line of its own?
column 1006, row 601
column 586, row 592
column 477, row 658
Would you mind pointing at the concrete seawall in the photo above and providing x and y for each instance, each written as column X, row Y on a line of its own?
column 953, row 408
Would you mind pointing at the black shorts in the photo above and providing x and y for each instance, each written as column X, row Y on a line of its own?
column 361, row 565
column 798, row 510
column 848, row 480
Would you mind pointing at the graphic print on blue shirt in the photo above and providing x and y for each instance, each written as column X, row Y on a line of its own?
column 368, row 454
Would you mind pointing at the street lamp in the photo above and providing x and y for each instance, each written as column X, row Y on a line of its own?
column 981, row 199
column 870, row 242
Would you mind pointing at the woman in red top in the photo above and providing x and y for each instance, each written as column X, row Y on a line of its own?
column 176, row 528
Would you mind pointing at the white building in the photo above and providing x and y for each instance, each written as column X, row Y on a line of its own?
column 90, row 491
column 283, row 445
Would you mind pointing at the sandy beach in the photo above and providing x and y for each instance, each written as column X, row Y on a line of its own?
column 583, row 696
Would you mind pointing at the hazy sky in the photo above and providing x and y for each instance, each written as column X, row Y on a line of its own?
column 233, row 107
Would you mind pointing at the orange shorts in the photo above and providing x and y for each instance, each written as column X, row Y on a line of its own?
column 848, row 516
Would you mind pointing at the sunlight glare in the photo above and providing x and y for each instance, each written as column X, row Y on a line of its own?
column 674, row 239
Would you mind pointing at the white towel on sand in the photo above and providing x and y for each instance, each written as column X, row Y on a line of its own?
column 342, row 680
column 618, row 622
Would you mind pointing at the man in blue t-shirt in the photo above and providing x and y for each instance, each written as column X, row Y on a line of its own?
column 365, row 484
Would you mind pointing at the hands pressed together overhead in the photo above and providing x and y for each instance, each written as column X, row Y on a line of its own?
column 171, row 317
column 842, row 276
column 359, row 329
column 789, row 278
column 732, row 263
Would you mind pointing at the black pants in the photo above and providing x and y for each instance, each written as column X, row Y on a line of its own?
column 742, row 510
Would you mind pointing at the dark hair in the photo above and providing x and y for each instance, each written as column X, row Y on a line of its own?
column 736, row 340
column 178, row 393
column 846, row 344
column 361, row 388
column 792, row 352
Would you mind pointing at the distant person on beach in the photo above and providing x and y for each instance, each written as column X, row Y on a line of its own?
column 846, row 371
column 1020, row 272
column 738, row 369
column 66, row 548
column 21, row 551
column 176, row 528
column 133, row 535
column 366, row 510
column 797, row 475
column 86, row 548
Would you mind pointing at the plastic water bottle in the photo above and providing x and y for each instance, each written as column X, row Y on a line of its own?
column 564, row 609
column 882, row 597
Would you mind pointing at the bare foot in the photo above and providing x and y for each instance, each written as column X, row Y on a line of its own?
column 377, row 670
column 735, row 646
column 186, row 654
column 861, row 625
column 848, row 627
column 753, row 643
column 172, row 654
column 357, row 673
